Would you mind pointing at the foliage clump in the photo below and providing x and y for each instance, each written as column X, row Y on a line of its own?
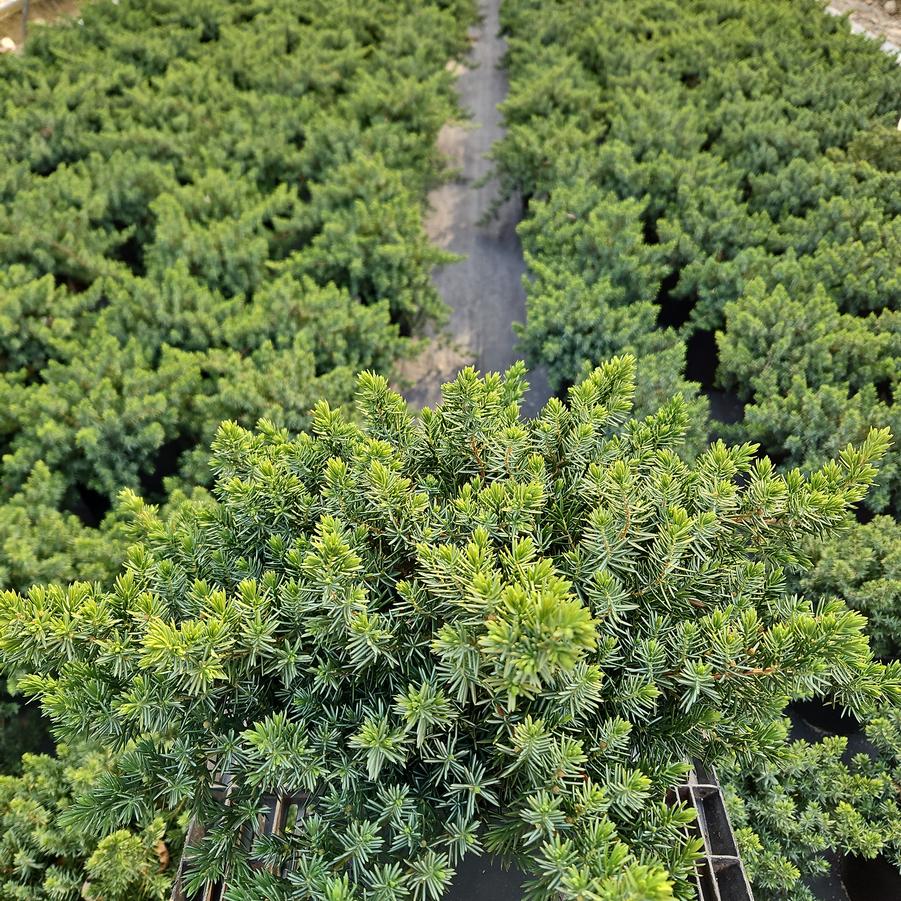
column 863, row 567
column 817, row 798
column 465, row 632
column 208, row 211
column 44, row 856
column 714, row 186
column 704, row 167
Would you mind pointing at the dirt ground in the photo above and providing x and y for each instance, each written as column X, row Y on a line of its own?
column 41, row 11
column 870, row 15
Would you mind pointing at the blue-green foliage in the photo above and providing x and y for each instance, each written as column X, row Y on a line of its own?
column 456, row 632
column 817, row 798
column 715, row 166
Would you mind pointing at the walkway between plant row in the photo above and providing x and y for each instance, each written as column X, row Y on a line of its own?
column 484, row 291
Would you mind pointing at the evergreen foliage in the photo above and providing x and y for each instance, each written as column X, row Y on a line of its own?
column 811, row 374
column 790, row 811
column 707, row 167
column 863, row 567
column 701, row 166
column 208, row 211
column 591, row 294
column 44, row 856
column 459, row 633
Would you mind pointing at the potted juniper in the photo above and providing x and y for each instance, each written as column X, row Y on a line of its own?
column 820, row 812
column 454, row 634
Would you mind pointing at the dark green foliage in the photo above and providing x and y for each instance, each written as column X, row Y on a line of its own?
column 790, row 811
column 712, row 165
column 459, row 632
column 39, row 543
column 671, row 174
column 814, row 377
column 45, row 857
column 591, row 294
column 208, row 211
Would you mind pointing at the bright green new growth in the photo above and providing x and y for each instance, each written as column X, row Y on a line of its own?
column 46, row 857
column 461, row 632
column 863, row 567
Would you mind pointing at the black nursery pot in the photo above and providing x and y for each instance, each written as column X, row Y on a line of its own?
column 483, row 879
column 825, row 717
column 871, row 880
column 814, row 720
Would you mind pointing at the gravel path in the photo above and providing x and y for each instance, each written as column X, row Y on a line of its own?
column 871, row 20
column 484, row 291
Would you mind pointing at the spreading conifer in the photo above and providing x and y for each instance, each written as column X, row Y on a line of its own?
column 699, row 167
column 814, row 799
column 459, row 633
column 208, row 211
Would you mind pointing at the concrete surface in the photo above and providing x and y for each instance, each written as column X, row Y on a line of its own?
column 484, row 291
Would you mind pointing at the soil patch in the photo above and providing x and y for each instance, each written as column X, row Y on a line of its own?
column 42, row 11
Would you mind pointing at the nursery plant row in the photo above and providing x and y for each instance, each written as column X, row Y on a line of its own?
column 716, row 187
column 711, row 170
column 207, row 211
